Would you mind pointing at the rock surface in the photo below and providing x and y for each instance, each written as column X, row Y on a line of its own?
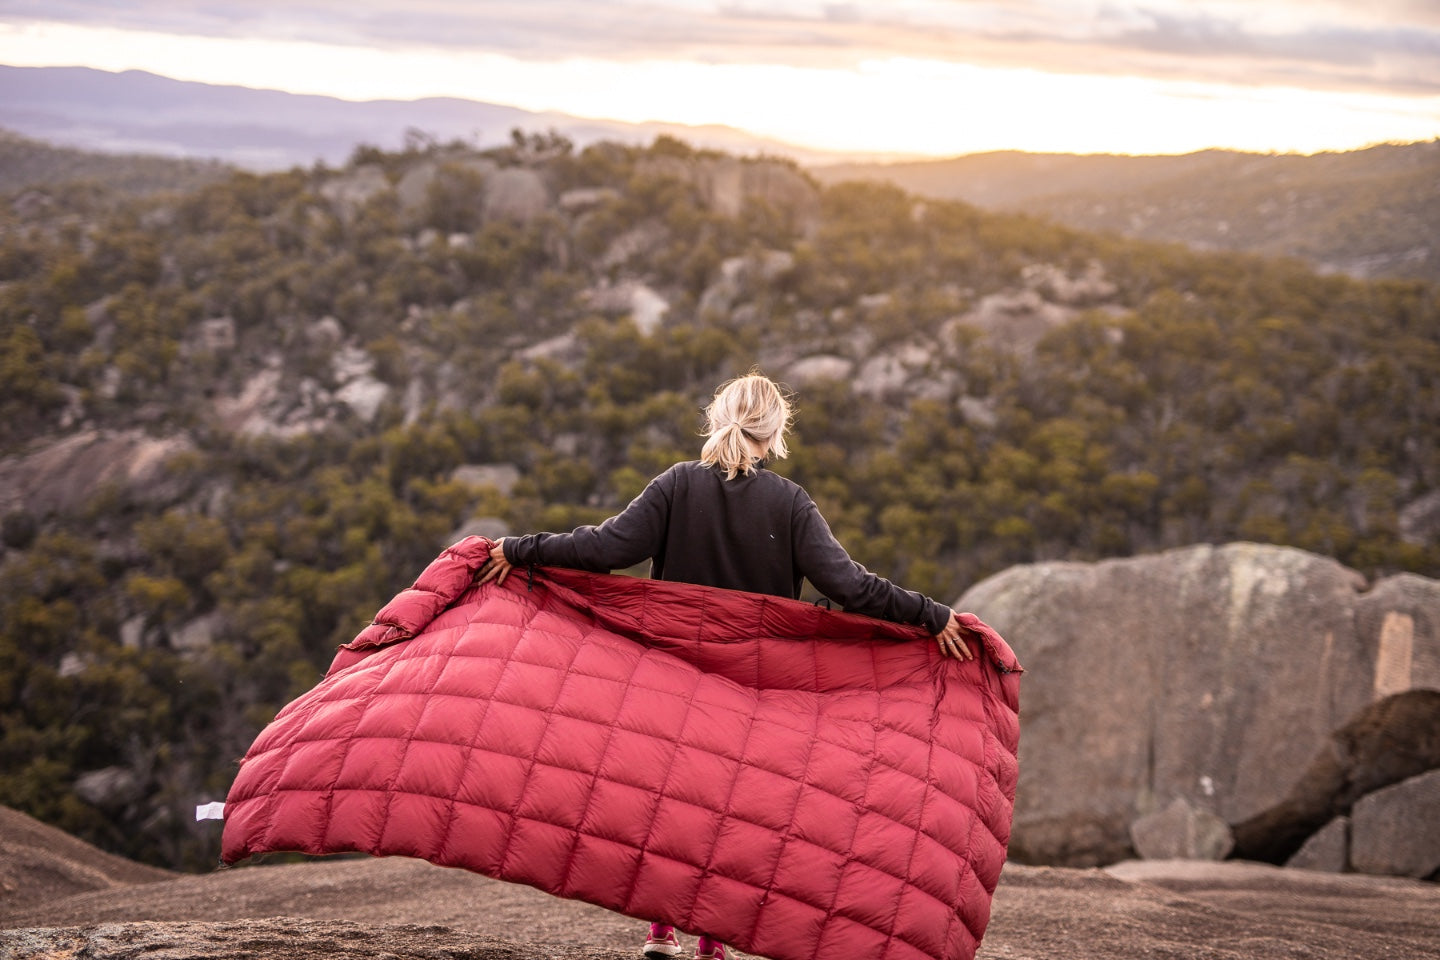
column 645, row 306
column 1014, row 320
column 108, row 787
column 1420, row 520
column 892, row 371
column 819, row 367
column 1182, row 832
column 60, row 897
column 1392, row 739
column 1328, row 849
column 501, row 476
column 1220, row 675
column 727, row 185
column 41, row 865
column 1087, row 288
column 350, row 192
column 289, row 937
column 515, row 194
column 61, row 475
column 401, row 908
column 1397, row 830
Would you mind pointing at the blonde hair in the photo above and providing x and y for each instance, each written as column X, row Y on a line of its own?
column 748, row 408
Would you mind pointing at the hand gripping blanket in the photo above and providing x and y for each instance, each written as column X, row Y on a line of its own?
column 797, row 782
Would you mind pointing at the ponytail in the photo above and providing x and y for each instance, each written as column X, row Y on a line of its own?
column 727, row 448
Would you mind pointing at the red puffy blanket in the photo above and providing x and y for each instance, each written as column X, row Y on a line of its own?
column 797, row 782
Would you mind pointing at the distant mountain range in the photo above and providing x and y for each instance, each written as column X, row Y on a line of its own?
column 1370, row 213
column 137, row 112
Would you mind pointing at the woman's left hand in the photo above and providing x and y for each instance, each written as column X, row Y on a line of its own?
column 952, row 644
column 498, row 568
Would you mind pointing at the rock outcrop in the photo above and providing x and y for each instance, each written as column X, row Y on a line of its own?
column 1397, row 830
column 1420, row 519
column 59, row 477
column 40, row 864
column 727, row 185
column 350, row 192
column 644, row 306
column 516, row 194
column 1182, row 832
column 819, row 367
column 744, row 278
column 1395, row 737
column 1014, row 320
column 1264, row 685
column 501, row 476
column 1327, row 851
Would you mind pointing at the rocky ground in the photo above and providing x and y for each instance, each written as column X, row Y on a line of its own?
column 61, row 900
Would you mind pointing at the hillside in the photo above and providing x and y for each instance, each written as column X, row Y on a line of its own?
column 1369, row 213
column 235, row 420
column 28, row 164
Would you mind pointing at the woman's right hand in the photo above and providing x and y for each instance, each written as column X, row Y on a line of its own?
column 952, row 644
column 497, row 568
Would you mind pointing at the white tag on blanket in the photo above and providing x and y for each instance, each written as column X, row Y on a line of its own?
column 210, row 811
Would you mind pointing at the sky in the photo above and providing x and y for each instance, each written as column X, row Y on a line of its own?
column 923, row 77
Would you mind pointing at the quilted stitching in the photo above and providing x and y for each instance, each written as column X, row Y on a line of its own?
column 663, row 750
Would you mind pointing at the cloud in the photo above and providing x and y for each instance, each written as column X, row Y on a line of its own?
column 1378, row 46
column 1207, row 47
column 1209, row 37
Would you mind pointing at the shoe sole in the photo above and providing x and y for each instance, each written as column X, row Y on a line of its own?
column 661, row 952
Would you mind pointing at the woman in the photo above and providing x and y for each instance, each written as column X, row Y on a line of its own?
column 726, row 521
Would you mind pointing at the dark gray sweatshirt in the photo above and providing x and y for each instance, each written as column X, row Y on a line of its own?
column 758, row 532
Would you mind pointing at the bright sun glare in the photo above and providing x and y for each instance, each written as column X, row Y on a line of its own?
column 882, row 106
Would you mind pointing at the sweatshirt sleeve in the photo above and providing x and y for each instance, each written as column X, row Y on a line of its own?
column 826, row 564
column 635, row 534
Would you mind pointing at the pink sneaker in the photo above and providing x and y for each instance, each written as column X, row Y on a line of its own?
column 662, row 942
column 708, row 949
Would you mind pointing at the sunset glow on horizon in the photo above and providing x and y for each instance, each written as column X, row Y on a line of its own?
column 904, row 99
